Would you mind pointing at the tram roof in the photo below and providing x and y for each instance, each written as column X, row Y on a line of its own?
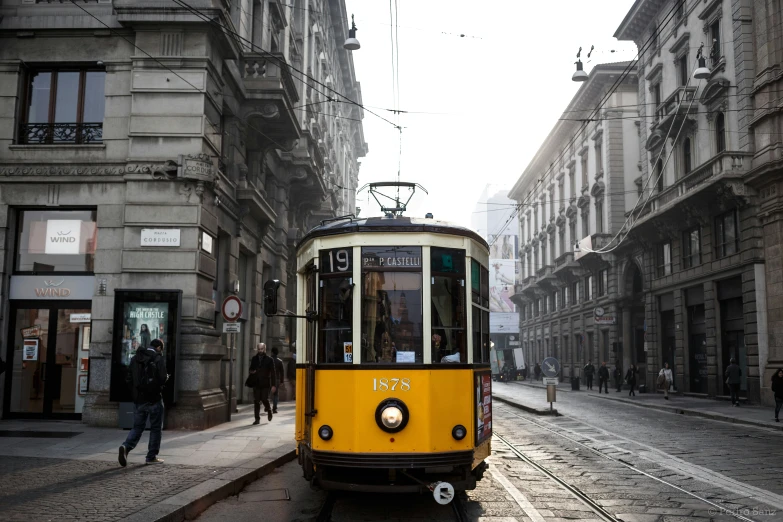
column 382, row 224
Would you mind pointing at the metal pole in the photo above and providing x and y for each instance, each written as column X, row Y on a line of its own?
column 230, row 372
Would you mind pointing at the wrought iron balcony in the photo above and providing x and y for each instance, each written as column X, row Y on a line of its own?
column 667, row 112
column 60, row 133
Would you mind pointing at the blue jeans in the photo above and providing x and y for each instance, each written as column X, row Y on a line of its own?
column 275, row 398
column 153, row 410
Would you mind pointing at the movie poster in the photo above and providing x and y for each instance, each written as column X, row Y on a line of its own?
column 483, row 406
column 143, row 322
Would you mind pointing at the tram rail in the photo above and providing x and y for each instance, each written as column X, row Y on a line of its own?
column 592, row 504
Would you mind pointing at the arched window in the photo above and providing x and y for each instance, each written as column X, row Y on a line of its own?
column 659, row 175
column 686, row 156
column 720, row 132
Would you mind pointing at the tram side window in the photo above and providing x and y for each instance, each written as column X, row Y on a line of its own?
column 336, row 295
column 392, row 309
column 479, row 284
column 449, row 343
column 480, row 298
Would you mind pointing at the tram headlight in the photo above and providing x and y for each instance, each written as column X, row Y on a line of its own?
column 325, row 432
column 392, row 415
column 459, row 432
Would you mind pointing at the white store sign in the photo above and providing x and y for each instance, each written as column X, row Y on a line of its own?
column 62, row 236
column 81, row 318
column 156, row 237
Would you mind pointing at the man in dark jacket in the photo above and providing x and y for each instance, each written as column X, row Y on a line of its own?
column 280, row 371
column 589, row 371
column 733, row 376
column 603, row 377
column 263, row 367
column 618, row 376
column 537, row 371
column 147, row 375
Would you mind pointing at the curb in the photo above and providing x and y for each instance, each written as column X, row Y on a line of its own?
column 694, row 413
column 188, row 504
column 529, row 409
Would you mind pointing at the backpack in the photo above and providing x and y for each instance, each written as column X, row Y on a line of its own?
column 148, row 385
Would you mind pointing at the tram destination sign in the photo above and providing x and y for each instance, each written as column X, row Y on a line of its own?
column 391, row 258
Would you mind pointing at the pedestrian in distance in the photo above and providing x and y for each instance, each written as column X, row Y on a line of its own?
column 630, row 378
column 589, row 370
column 280, row 374
column 537, row 371
column 618, row 377
column 733, row 376
column 603, row 377
column 665, row 380
column 777, row 391
column 263, row 378
column 147, row 376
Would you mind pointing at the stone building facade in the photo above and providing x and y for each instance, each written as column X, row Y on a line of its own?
column 576, row 190
column 696, row 249
column 154, row 160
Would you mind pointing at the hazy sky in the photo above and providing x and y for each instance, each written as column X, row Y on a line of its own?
column 495, row 93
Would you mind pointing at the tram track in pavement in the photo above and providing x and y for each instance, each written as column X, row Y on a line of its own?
column 593, row 504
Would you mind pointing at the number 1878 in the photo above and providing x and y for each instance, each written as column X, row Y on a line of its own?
column 392, row 384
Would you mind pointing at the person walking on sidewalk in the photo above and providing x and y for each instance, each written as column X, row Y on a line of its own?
column 537, row 371
column 603, row 377
column 589, row 370
column 665, row 379
column 280, row 374
column 733, row 376
column 263, row 367
column 777, row 391
column 630, row 378
column 147, row 376
column 618, row 377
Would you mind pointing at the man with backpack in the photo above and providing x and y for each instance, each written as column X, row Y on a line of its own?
column 264, row 380
column 147, row 375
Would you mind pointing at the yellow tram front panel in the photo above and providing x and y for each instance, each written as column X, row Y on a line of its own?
column 437, row 400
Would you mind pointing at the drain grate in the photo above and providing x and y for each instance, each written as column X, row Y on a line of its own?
column 265, row 496
column 39, row 434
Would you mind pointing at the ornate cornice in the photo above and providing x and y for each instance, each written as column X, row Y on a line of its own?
column 80, row 170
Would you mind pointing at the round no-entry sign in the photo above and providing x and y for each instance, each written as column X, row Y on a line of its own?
column 232, row 308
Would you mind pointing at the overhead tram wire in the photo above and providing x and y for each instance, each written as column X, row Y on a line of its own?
column 645, row 47
column 281, row 63
column 166, row 67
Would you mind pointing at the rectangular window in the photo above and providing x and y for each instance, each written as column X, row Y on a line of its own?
column 536, row 307
column 336, row 307
column 564, row 297
column 574, row 292
column 552, row 251
column 392, row 305
column 599, row 216
column 691, row 248
column 656, row 95
column 572, row 231
column 588, row 287
column 680, row 12
column 726, row 234
column 599, row 160
column 56, row 241
column 562, row 241
column 586, row 222
column 585, row 180
column 682, row 64
column 546, row 304
column 663, row 259
column 556, row 305
column 449, row 343
column 63, row 106
column 572, row 182
column 603, row 282
column 715, row 52
column 543, row 254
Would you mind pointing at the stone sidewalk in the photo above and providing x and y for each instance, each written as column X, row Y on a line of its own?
column 715, row 409
column 64, row 470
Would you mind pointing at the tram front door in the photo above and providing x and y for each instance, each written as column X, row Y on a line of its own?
column 49, row 360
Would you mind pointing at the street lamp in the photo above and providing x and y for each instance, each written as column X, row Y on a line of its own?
column 580, row 75
column 352, row 44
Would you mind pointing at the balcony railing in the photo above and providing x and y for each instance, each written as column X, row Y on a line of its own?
column 682, row 95
column 268, row 72
column 60, row 133
column 725, row 162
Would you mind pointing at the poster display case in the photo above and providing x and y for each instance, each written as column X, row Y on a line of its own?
column 139, row 317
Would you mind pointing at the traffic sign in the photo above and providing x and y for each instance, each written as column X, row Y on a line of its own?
column 231, row 327
column 550, row 381
column 231, row 309
column 550, row 367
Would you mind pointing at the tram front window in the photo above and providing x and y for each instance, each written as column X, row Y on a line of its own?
column 449, row 344
column 392, row 305
column 336, row 339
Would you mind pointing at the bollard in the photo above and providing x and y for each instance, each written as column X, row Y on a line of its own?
column 551, row 394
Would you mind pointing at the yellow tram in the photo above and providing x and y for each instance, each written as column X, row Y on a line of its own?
column 393, row 383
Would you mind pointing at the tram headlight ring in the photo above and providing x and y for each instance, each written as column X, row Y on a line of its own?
column 392, row 415
column 325, row 432
column 459, row 432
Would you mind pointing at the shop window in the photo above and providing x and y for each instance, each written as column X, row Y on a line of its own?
column 392, row 305
column 449, row 342
column 691, row 248
column 336, row 307
column 64, row 106
column 663, row 259
column 56, row 241
column 726, row 236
